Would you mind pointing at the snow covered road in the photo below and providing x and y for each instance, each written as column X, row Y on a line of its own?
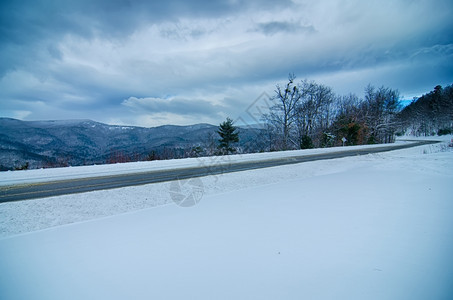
column 31, row 188
column 371, row 227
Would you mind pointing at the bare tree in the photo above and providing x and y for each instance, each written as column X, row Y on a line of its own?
column 283, row 113
column 209, row 144
column 381, row 106
column 314, row 111
column 309, row 114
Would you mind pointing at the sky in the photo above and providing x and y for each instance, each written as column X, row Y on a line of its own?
column 151, row 63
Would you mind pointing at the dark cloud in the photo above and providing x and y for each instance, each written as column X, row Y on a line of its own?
column 29, row 25
column 196, row 58
column 274, row 27
column 30, row 20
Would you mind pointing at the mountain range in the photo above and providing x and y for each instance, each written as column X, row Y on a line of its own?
column 41, row 144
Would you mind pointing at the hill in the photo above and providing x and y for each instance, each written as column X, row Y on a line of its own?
column 430, row 114
column 41, row 144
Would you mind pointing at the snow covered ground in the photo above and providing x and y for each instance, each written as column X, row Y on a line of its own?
column 26, row 216
column 43, row 175
column 369, row 227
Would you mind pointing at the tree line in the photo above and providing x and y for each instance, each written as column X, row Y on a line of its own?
column 430, row 114
column 306, row 114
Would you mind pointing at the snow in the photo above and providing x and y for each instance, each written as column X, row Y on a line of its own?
column 369, row 227
column 43, row 175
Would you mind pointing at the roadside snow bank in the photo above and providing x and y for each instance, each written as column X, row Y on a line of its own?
column 370, row 227
column 26, row 216
column 44, row 175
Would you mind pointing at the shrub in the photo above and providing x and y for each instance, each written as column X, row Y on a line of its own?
column 306, row 142
column 444, row 131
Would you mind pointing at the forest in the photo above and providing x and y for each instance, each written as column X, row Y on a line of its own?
column 430, row 114
column 306, row 114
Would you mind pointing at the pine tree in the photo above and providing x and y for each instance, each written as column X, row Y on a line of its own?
column 228, row 136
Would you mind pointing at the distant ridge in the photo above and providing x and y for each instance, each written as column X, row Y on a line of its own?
column 59, row 143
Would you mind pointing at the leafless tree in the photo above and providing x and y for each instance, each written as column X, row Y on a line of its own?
column 314, row 110
column 283, row 113
column 380, row 107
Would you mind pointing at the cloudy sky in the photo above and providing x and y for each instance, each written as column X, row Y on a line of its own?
column 151, row 63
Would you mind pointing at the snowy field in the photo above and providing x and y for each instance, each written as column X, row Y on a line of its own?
column 369, row 227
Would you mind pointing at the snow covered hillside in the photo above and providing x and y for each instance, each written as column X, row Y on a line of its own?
column 369, row 227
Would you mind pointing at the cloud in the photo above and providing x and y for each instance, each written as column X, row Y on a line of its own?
column 274, row 27
column 178, row 111
column 180, row 61
column 178, row 106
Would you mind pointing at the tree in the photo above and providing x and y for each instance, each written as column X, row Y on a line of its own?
column 301, row 114
column 283, row 113
column 381, row 106
column 308, row 114
column 350, row 121
column 228, row 136
column 314, row 111
column 429, row 113
column 209, row 144
column 306, row 142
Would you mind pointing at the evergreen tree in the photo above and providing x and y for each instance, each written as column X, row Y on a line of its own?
column 228, row 136
column 306, row 142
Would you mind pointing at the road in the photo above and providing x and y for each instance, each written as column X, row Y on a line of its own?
column 81, row 185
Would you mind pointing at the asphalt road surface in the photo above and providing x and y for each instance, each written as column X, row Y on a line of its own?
column 81, row 185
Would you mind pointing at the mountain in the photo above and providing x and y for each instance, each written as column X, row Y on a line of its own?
column 38, row 144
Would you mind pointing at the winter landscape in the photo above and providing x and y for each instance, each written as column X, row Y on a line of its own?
column 226, row 149
column 375, row 226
